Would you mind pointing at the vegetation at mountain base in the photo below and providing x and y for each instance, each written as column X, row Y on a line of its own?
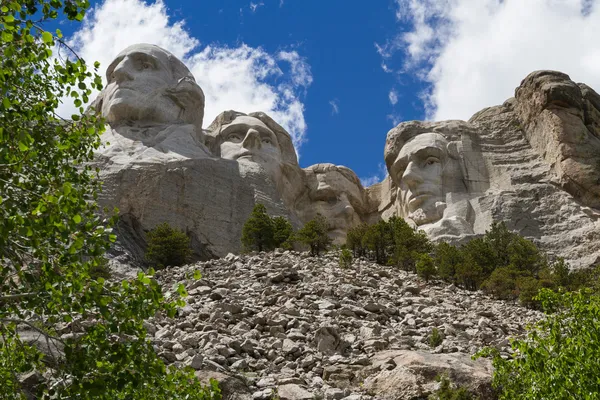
column 283, row 233
column 53, row 236
column 501, row 263
column 436, row 338
column 560, row 357
column 262, row 232
column 258, row 230
column 446, row 391
column 314, row 235
column 167, row 246
column 346, row 258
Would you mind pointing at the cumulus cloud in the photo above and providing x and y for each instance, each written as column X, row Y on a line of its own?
column 393, row 96
column 376, row 178
column 254, row 6
column 473, row 53
column 335, row 107
column 241, row 78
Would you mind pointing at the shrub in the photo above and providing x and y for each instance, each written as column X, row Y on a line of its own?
column 167, row 247
column 528, row 289
column 560, row 358
column 258, row 232
column 502, row 283
column 99, row 268
column 425, row 267
column 378, row 239
column 524, row 255
column 447, row 260
column 469, row 274
column 355, row 240
column 345, row 258
column 447, row 392
column 282, row 233
column 408, row 244
column 436, row 338
column 314, row 234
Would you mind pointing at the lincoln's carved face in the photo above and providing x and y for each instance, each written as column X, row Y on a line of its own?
column 147, row 83
column 248, row 138
column 425, row 172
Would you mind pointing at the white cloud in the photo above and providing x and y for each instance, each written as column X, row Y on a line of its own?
column 241, row 78
column 376, row 178
column 335, row 107
column 254, row 6
column 475, row 52
column 393, row 96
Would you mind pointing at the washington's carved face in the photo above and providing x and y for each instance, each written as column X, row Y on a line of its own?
column 137, row 81
column 424, row 173
column 249, row 139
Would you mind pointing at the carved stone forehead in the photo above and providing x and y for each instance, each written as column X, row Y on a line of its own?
column 431, row 140
column 166, row 59
column 249, row 121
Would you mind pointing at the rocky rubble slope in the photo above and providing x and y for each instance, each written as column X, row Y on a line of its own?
column 297, row 327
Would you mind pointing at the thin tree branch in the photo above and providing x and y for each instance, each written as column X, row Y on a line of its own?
column 32, row 326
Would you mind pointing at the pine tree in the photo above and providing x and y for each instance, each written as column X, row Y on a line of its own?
column 314, row 234
column 282, row 233
column 258, row 233
column 167, row 247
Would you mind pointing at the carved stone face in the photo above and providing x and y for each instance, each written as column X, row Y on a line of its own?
column 137, row 81
column 425, row 172
column 335, row 196
column 248, row 139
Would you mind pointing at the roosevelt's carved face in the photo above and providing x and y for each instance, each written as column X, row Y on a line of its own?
column 137, row 81
column 248, row 139
column 425, row 172
column 337, row 198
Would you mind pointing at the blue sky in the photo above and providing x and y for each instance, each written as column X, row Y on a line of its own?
column 340, row 73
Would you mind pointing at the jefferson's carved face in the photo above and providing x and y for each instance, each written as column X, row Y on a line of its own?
column 249, row 139
column 424, row 173
column 137, row 81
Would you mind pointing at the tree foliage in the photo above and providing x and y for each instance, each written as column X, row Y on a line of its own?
column 52, row 234
column 314, row 235
column 258, row 230
column 560, row 358
column 167, row 247
column 345, row 260
column 283, row 233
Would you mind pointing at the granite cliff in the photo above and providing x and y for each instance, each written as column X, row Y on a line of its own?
column 533, row 162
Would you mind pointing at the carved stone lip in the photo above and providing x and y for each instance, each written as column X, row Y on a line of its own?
column 416, row 199
column 245, row 154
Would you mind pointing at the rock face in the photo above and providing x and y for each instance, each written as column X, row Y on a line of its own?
column 304, row 328
column 533, row 162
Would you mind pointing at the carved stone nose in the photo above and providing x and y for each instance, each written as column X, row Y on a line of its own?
column 412, row 176
column 121, row 72
column 252, row 140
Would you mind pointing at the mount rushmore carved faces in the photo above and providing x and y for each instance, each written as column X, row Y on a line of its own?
column 147, row 83
column 425, row 169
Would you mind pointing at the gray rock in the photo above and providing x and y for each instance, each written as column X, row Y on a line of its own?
column 293, row 392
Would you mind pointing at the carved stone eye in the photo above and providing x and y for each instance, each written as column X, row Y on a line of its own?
column 267, row 141
column 432, row 161
column 234, row 137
